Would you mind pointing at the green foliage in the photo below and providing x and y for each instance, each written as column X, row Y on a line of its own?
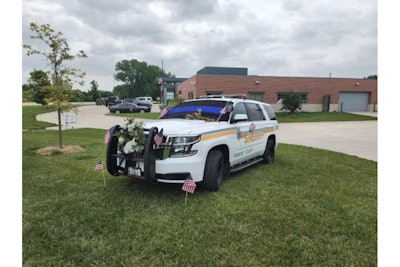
column 94, row 90
column 57, row 52
column 291, row 102
column 372, row 77
column 38, row 79
column 139, row 79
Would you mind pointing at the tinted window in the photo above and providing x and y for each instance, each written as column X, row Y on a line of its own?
column 254, row 112
column 270, row 112
column 211, row 109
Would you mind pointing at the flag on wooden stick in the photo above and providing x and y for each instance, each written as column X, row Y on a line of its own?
column 99, row 167
column 189, row 185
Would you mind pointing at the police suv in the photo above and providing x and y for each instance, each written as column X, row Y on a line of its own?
column 203, row 139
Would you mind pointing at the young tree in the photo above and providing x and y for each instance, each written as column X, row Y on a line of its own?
column 56, row 53
column 291, row 102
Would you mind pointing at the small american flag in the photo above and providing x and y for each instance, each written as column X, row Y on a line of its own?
column 163, row 112
column 160, row 80
column 189, row 185
column 107, row 137
column 252, row 127
column 223, row 111
column 99, row 166
column 158, row 138
column 280, row 101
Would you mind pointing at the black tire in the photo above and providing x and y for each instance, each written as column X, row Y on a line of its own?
column 214, row 171
column 269, row 153
column 112, row 147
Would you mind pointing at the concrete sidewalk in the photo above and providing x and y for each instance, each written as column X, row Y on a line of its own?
column 357, row 138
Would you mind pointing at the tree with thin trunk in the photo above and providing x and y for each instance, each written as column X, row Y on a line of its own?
column 56, row 53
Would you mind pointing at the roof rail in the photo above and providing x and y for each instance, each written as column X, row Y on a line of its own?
column 241, row 96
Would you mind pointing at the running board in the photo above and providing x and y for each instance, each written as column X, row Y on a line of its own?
column 246, row 164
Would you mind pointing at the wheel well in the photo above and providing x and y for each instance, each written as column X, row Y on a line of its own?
column 273, row 138
column 225, row 152
column 224, row 149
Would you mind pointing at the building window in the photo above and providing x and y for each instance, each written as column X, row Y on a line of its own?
column 190, row 95
column 256, row 96
column 303, row 96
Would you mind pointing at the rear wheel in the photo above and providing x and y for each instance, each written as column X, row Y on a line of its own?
column 117, row 111
column 214, row 171
column 269, row 153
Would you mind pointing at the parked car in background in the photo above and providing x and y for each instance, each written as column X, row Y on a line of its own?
column 100, row 101
column 112, row 101
column 128, row 108
column 146, row 99
column 137, row 102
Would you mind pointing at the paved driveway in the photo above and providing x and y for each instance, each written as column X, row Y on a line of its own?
column 358, row 138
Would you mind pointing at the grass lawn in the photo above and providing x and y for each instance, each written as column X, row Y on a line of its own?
column 281, row 117
column 310, row 208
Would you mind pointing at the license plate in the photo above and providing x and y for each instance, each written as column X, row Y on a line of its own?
column 133, row 171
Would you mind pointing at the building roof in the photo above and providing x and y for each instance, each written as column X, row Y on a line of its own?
column 223, row 71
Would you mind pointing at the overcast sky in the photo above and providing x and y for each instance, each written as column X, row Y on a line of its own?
column 270, row 38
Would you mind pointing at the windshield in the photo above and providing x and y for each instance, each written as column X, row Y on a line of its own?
column 207, row 110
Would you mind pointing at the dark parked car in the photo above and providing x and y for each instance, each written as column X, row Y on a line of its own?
column 137, row 102
column 112, row 101
column 127, row 108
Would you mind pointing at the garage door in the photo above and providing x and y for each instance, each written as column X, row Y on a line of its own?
column 353, row 101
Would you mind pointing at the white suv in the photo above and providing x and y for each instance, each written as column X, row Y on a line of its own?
column 146, row 99
column 204, row 139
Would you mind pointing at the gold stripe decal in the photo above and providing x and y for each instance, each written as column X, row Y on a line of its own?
column 238, row 134
column 218, row 134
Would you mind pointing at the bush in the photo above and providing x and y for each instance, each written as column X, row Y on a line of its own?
column 291, row 103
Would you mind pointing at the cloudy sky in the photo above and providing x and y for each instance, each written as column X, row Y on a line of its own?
column 271, row 38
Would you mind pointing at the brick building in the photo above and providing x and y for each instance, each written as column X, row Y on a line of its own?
column 318, row 94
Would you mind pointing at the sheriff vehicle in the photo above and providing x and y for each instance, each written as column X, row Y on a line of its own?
column 203, row 139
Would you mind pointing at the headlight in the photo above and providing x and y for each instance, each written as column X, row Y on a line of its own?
column 182, row 146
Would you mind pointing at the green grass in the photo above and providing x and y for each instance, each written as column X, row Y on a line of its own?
column 282, row 117
column 29, row 117
column 321, row 116
column 310, row 208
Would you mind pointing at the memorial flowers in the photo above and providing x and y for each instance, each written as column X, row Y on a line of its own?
column 131, row 139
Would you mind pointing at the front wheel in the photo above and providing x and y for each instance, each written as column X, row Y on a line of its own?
column 269, row 153
column 214, row 171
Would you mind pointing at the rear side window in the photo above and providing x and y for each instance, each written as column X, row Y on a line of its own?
column 254, row 112
column 270, row 112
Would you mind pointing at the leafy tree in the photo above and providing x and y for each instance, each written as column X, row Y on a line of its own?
column 291, row 102
column 372, row 77
column 38, row 79
column 139, row 79
column 57, row 53
column 94, row 90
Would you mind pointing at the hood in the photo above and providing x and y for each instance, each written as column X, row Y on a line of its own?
column 183, row 127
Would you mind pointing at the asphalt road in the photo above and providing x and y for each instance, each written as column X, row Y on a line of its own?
column 357, row 138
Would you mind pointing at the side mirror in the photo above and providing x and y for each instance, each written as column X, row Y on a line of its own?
column 229, row 107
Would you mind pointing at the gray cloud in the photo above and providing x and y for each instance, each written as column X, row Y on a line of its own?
column 274, row 38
